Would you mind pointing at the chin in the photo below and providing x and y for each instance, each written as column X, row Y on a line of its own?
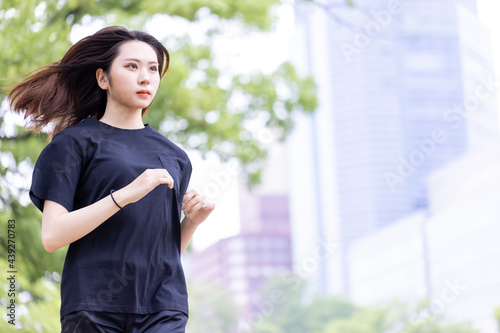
column 142, row 106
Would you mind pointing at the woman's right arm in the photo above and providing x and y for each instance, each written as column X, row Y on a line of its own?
column 60, row 227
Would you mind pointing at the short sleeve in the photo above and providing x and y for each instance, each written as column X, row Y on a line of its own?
column 57, row 171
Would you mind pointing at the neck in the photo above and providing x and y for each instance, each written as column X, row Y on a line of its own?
column 124, row 120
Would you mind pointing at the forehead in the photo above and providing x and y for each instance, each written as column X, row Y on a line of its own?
column 137, row 50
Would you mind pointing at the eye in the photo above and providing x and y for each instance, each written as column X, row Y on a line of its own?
column 134, row 66
column 153, row 68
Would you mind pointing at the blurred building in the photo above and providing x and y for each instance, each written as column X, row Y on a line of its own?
column 390, row 263
column 449, row 255
column 462, row 235
column 404, row 88
column 244, row 263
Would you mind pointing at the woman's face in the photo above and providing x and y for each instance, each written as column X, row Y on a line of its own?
column 133, row 78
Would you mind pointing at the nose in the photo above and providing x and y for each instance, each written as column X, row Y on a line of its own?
column 144, row 78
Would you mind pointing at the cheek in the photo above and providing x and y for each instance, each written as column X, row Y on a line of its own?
column 156, row 79
column 125, row 76
column 155, row 83
column 126, row 82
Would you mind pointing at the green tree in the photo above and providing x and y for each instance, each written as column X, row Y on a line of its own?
column 37, row 305
column 364, row 320
column 497, row 316
column 197, row 106
column 295, row 311
column 285, row 310
column 211, row 309
column 193, row 108
column 323, row 310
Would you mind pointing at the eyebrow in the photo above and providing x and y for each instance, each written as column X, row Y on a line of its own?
column 137, row 60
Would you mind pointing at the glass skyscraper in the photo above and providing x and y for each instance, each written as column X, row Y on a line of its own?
column 405, row 87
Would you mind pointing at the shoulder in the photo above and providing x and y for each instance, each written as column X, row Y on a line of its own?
column 171, row 153
column 71, row 133
column 83, row 129
column 168, row 147
column 70, row 142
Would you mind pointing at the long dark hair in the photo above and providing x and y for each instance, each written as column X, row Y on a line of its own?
column 66, row 92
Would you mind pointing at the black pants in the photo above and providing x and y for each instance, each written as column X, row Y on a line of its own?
column 112, row 322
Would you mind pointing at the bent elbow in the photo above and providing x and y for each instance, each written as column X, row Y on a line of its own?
column 49, row 249
column 48, row 243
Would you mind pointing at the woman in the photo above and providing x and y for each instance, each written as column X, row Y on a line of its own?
column 111, row 187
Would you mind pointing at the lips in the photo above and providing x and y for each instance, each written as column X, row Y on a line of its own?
column 143, row 93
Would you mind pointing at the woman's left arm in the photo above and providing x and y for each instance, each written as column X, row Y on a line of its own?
column 196, row 209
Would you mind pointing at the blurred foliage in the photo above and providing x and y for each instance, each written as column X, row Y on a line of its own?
column 31, row 258
column 193, row 108
column 497, row 317
column 290, row 313
column 37, row 304
column 211, row 309
column 198, row 112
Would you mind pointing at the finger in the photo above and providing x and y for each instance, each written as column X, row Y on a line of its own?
column 194, row 208
column 189, row 195
column 208, row 206
column 189, row 204
column 168, row 181
column 165, row 178
column 204, row 204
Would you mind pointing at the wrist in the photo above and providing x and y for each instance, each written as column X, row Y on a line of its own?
column 190, row 223
column 120, row 198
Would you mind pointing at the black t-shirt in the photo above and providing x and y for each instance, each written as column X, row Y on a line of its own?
column 131, row 262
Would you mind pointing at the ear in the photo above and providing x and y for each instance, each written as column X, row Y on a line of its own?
column 102, row 79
